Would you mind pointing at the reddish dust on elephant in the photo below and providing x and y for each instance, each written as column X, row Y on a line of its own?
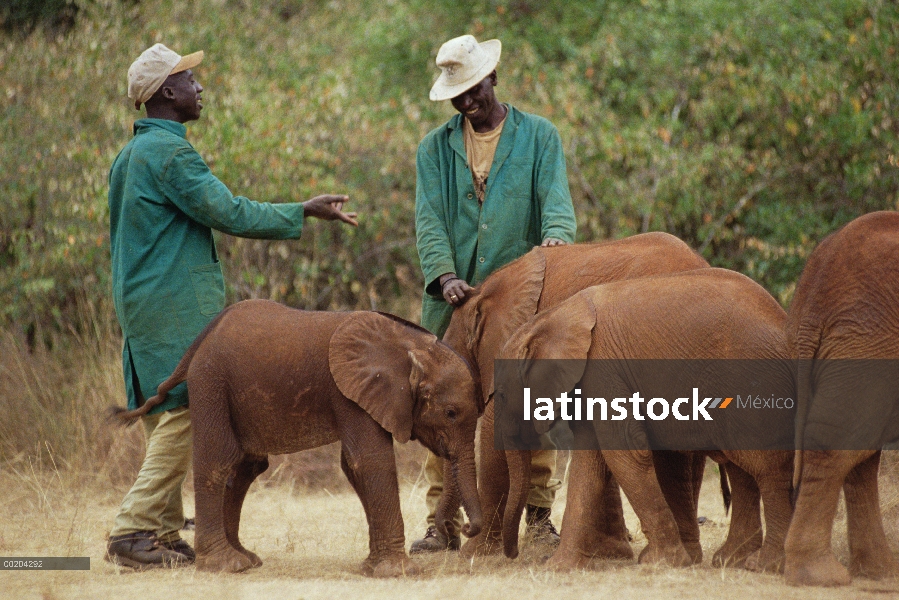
column 267, row 379
column 506, row 300
column 699, row 315
column 846, row 306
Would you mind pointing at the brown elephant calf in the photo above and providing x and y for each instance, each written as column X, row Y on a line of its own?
column 506, row 300
column 267, row 379
column 844, row 332
column 687, row 323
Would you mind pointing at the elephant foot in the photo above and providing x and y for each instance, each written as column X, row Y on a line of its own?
column 254, row 558
column 576, row 560
column 564, row 561
column 481, row 545
column 673, row 555
column 764, row 561
column 227, row 561
column 882, row 566
column 823, row 571
column 614, row 549
column 694, row 549
column 734, row 555
column 400, row 566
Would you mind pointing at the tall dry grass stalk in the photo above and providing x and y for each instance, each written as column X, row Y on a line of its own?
column 53, row 402
column 53, row 397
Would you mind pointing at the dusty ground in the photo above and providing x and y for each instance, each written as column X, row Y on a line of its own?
column 312, row 542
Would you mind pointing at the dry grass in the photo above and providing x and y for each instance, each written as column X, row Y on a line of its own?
column 63, row 472
column 313, row 541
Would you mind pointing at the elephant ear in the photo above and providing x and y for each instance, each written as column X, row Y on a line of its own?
column 563, row 335
column 371, row 363
column 507, row 300
column 528, row 274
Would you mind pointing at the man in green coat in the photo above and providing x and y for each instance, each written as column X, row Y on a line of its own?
column 167, row 282
column 491, row 185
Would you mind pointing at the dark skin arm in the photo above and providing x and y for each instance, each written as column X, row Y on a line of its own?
column 330, row 208
column 456, row 290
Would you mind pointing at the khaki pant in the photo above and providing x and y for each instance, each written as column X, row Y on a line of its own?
column 154, row 502
column 542, row 492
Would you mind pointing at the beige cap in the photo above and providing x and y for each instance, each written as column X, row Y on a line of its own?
column 464, row 63
column 149, row 71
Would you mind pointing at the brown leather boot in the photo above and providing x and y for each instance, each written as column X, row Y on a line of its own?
column 434, row 541
column 143, row 550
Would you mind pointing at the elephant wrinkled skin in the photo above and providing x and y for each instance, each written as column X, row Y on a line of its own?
column 846, row 306
column 699, row 314
column 267, row 379
column 507, row 299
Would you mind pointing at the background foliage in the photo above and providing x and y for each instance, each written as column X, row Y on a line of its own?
column 750, row 130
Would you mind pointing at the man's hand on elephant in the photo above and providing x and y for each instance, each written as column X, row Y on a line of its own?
column 330, row 208
column 455, row 290
column 552, row 242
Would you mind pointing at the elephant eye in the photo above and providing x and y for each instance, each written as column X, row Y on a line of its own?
column 450, row 413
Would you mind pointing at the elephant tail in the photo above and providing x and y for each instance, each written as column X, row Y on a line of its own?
column 797, row 477
column 805, row 373
column 125, row 417
column 725, row 488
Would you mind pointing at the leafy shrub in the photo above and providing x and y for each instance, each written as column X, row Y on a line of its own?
column 23, row 16
column 750, row 131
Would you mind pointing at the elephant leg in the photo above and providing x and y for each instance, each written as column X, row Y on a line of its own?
column 810, row 559
column 235, row 491
column 744, row 537
column 697, row 470
column 372, row 473
column 869, row 552
column 216, row 455
column 637, row 477
column 775, row 486
column 493, row 490
column 676, row 473
column 584, row 524
column 618, row 545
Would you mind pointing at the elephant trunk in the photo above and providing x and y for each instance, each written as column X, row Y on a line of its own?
column 467, row 480
column 519, row 462
column 460, row 484
column 449, row 501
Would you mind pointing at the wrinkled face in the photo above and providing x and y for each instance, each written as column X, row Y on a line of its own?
column 447, row 409
column 478, row 103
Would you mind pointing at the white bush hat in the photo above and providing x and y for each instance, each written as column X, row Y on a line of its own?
column 464, row 63
column 149, row 71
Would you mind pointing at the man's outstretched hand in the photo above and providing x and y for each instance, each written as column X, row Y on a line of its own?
column 330, row 208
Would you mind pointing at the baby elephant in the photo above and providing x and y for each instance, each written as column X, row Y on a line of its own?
column 708, row 330
column 267, row 379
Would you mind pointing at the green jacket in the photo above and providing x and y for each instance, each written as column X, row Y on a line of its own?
column 166, row 277
column 526, row 201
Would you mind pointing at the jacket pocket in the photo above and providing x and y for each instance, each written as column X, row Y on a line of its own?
column 209, row 287
column 518, row 178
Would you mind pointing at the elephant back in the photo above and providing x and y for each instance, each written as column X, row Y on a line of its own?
column 846, row 303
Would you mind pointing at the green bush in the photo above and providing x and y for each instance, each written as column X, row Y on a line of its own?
column 749, row 130
column 23, row 16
